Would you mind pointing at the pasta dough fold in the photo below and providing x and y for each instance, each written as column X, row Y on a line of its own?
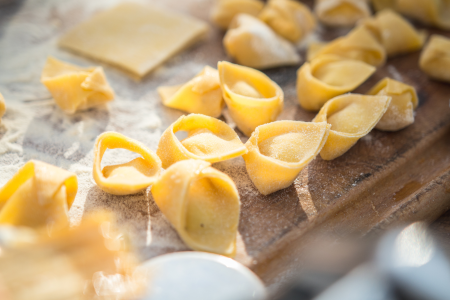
column 38, row 195
column 328, row 76
column 432, row 12
column 208, row 139
column 252, row 98
column 383, row 4
column 75, row 88
column 2, row 106
column 341, row 12
column 128, row 178
column 202, row 204
column 435, row 58
column 291, row 19
column 225, row 10
column 351, row 117
column 201, row 95
column 395, row 33
column 278, row 151
column 254, row 44
column 358, row 44
column 401, row 109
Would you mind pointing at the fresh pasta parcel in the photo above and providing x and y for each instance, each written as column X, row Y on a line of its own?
column 200, row 95
column 208, row 139
column 38, row 195
column 328, row 76
column 202, row 204
column 127, row 178
column 75, row 88
column 278, row 151
column 400, row 112
column 351, row 117
column 252, row 98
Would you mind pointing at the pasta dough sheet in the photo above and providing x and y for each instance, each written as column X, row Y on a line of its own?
column 133, row 36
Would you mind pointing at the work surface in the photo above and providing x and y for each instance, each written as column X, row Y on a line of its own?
column 385, row 179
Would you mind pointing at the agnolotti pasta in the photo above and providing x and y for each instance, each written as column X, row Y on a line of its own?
column 328, row 76
column 359, row 44
column 201, row 95
column 401, row 110
column 254, row 44
column 395, row 33
column 341, row 12
column 38, row 195
column 351, row 117
column 435, row 58
column 208, row 139
column 225, row 10
column 252, row 98
column 432, row 12
column 75, row 88
column 278, row 151
column 202, row 204
column 291, row 19
column 128, row 178
column 2, row 106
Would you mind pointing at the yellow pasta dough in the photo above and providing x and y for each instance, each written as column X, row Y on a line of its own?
column 291, row 19
column 201, row 95
column 127, row 178
column 252, row 98
column 254, row 44
column 136, row 37
column 351, row 117
column 383, row 4
column 75, row 88
column 208, row 139
column 2, row 106
column 395, row 33
column 278, row 151
column 328, row 76
column 341, row 12
column 225, row 10
column 401, row 110
column 202, row 204
column 359, row 44
column 433, row 12
column 435, row 58
column 38, row 195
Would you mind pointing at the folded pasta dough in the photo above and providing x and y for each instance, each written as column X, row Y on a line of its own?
column 383, row 4
column 254, row 44
column 351, row 117
column 75, row 88
column 128, row 178
column 341, row 12
column 38, row 195
column 252, row 98
column 359, row 44
column 401, row 110
column 328, row 76
column 202, row 204
column 2, row 106
column 435, row 58
column 291, row 19
column 395, row 33
column 209, row 139
column 432, row 12
column 201, row 95
column 278, row 151
column 225, row 10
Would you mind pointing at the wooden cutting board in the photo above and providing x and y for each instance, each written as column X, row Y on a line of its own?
column 385, row 179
